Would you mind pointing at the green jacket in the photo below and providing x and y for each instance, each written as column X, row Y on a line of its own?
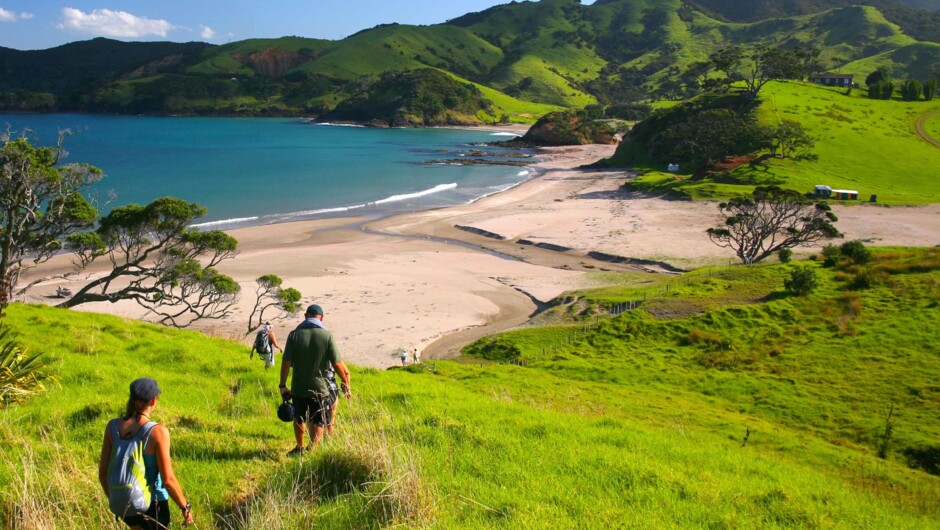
column 311, row 352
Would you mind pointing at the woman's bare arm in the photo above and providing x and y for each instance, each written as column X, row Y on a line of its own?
column 161, row 436
column 106, row 445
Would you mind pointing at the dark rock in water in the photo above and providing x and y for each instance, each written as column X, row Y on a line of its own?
column 480, row 232
column 475, row 162
column 612, row 258
column 546, row 246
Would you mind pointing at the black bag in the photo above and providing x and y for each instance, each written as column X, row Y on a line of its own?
column 285, row 412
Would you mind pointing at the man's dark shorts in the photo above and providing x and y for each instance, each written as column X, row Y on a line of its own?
column 313, row 410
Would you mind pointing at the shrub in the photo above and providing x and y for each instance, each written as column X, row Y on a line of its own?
column 697, row 336
column 864, row 279
column 802, row 281
column 785, row 255
column 20, row 375
column 856, row 251
column 911, row 90
column 832, row 254
column 930, row 88
column 926, row 458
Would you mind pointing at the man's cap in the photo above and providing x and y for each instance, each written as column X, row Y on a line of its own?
column 314, row 310
column 144, row 389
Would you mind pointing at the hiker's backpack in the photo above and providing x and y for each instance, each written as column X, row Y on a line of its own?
column 128, row 492
column 262, row 342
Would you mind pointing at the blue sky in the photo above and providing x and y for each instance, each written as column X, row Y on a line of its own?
column 38, row 24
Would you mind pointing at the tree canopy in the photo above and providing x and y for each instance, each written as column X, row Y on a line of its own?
column 42, row 202
column 771, row 219
column 155, row 258
column 760, row 66
column 270, row 294
column 159, row 262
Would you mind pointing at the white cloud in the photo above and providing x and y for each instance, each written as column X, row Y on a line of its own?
column 26, row 16
column 7, row 16
column 207, row 32
column 112, row 23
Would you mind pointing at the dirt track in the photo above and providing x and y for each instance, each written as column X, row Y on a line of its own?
column 921, row 129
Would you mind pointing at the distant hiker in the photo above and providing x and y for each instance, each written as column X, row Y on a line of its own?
column 135, row 469
column 415, row 356
column 404, row 357
column 311, row 352
column 265, row 342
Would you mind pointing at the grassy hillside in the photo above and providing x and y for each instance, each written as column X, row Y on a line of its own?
column 558, row 53
column 919, row 18
column 863, row 144
column 639, row 421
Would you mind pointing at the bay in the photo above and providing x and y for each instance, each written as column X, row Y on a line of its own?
column 263, row 170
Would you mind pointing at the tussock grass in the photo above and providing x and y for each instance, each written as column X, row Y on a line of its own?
column 51, row 495
column 378, row 479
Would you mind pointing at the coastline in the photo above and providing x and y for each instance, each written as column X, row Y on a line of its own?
column 374, row 209
column 437, row 279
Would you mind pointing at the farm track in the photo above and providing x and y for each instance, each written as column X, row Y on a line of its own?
column 921, row 128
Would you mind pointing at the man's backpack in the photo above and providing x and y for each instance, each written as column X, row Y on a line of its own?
column 128, row 492
column 262, row 342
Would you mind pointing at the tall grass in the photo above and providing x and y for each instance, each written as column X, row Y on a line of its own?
column 55, row 494
column 378, row 478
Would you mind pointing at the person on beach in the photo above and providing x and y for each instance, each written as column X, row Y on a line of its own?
column 311, row 353
column 265, row 342
column 135, row 425
column 404, row 357
column 415, row 356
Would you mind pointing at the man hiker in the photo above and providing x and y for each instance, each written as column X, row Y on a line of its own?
column 265, row 342
column 311, row 353
column 415, row 356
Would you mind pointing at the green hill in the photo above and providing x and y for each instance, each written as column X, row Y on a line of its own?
column 862, row 144
column 556, row 53
column 719, row 403
column 919, row 18
column 425, row 97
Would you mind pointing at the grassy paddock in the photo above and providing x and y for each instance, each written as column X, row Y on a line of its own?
column 863, row 144
column 722, row 404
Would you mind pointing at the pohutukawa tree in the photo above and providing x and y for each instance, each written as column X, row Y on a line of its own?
column 41, row 203
column 155, row 258
column 757, row 67
column 269, row 294
column 771, row 219
column 158, row 261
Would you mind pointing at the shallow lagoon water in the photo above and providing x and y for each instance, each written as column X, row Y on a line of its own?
column 262, row 170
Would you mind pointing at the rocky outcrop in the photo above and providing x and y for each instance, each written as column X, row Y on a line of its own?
column 572, row 127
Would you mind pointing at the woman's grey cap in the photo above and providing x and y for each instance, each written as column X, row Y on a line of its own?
column 144, row 389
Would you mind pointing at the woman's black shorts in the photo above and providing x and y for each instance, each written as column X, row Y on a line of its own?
column 157, row 517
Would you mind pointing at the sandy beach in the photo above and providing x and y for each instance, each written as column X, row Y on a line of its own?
column 437, row 279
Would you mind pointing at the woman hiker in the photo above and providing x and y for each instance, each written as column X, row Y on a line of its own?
column 158, row 466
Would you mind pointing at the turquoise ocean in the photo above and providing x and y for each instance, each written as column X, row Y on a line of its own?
column 250, row 171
